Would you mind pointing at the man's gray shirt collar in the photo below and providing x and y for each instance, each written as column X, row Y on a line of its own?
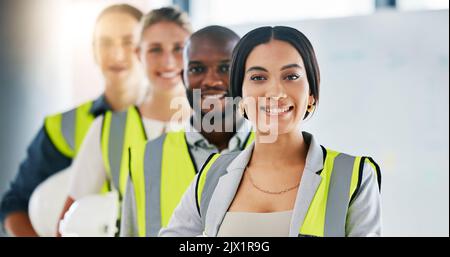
column 195, row 139
column 201, row 149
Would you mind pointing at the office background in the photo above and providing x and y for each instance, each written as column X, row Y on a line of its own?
column 384, row 90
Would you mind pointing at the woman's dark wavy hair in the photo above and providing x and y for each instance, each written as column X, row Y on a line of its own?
column 264, row 35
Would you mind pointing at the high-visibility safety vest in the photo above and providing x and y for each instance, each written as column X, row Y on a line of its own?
column 67, row 130
column 120, row 130
column 161, row 171
column 326, row 216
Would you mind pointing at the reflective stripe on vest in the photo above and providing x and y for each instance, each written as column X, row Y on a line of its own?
column 120, row 130
column 209, row 178
column 67, row 130
column 161, row 171
column 327, row 212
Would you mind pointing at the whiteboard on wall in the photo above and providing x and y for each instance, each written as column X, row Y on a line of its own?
column 385, row 93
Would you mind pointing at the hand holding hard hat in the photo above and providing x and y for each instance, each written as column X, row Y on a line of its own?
column 47, row 201
column 93, row 215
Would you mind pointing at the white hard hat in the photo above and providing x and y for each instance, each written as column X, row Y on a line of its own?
column 46, row 203
column 94, row 215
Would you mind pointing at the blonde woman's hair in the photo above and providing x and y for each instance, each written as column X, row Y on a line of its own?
column 168, row 14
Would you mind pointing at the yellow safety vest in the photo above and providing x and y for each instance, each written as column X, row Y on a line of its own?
column 67, row 130
column 120, row 130
column 326, row 216
column 161, row 171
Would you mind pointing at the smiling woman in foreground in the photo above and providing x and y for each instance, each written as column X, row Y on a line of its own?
column 286, row 183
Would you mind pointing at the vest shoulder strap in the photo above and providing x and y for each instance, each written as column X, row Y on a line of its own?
column 119, row 131
column 220, row 162
column 340, row 172
column 66, row 130
column 161, row 171
column 136, row 167
column 209, row 176
column 341, row 180
column 150, row 209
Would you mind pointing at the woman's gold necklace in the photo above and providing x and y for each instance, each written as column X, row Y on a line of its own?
column 268, row 191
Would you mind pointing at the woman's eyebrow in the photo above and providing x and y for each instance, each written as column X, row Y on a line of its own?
column 127, row 37
column 257, row 68
column 153, row 44
column 293, row 65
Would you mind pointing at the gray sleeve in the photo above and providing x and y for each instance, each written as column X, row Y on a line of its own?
column 364, row 213
column 128, row 222
column 185, row 220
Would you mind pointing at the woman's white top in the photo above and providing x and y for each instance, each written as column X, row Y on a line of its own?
column 255, row 224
